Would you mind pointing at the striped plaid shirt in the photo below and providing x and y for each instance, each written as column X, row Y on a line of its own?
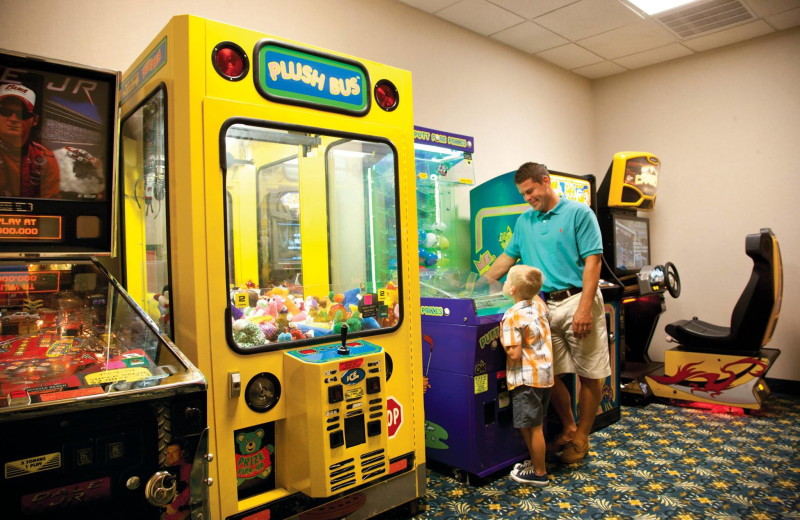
column 526, row 324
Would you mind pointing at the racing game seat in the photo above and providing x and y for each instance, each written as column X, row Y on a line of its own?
column 755, row 314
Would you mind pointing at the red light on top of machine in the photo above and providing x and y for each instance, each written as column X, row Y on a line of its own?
column 386, row 95
column 230, row 61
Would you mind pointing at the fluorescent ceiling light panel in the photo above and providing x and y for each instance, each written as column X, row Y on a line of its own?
column 652, row 7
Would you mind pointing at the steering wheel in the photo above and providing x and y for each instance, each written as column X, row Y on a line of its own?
column 673, row 280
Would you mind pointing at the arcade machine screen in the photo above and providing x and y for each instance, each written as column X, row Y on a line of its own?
column 631, row 243
column 57, row 142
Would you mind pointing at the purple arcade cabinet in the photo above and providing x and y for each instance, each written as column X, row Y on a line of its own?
column 468, row 417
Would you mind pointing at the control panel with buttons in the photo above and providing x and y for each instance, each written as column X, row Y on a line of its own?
column 337, row 420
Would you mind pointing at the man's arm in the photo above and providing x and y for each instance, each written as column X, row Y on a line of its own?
column 499, row 268
column 582, row 320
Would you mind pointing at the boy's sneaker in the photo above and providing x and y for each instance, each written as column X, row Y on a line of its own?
column 523, row 464
column 528, row 475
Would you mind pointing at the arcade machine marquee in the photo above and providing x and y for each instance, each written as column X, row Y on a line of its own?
column 101, row 415
column 264, row 189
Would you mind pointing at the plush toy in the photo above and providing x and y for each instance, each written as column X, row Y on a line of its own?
column 236, row 313
column 290, row 305
column 265, row 307
column 370, row 323
column 322, row 316
column 354, row 322
column 337, row 308
column 247, row 334
column 268, row 327
column 352, row 297
column 163, row 308
column 284, row 336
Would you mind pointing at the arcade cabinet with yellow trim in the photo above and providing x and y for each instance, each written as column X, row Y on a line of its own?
column 630, row 186
column 726, row 365
column 268, row 221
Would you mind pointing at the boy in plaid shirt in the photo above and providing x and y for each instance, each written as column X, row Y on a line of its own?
column 525, row 334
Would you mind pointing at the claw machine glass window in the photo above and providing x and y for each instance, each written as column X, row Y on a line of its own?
column 312, row 240
column 144, row 199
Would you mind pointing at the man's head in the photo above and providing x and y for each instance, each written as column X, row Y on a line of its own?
column 523, row 282
column 174, row 454
column 17, row 117
column 533, row 183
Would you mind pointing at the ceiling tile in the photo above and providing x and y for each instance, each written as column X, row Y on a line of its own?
column 785, row 20
column 728, row 36
column 636, row 37
column 599, row 70
column 570, row 56
column 529, row 37
column 587, row 18
column 479, row 16
column 583, row 34
column 430, row 6
column 765, row 8
column 530, row 9
column 653, row 56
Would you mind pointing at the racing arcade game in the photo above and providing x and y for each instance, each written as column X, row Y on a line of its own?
column 726, row 365
column 266, row 188
column 101, row 416
column 631, row 185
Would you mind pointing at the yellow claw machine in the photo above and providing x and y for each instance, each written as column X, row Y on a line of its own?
column 268, row 218
column 101, row 416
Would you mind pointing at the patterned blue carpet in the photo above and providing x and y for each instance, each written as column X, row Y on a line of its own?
column 658, row 461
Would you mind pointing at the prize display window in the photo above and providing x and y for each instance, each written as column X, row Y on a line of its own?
column 332, row 196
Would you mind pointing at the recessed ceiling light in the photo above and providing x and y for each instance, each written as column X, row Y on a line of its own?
column 658, row 6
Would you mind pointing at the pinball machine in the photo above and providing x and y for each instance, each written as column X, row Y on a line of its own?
column 101, row 415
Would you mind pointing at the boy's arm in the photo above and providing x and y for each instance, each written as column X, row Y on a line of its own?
column 511, row 341
column 514, row 352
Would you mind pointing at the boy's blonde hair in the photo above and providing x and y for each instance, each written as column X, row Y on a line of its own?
column 526, row 280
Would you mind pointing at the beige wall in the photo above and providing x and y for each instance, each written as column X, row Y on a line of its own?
column 518, row 108
column 724, row 123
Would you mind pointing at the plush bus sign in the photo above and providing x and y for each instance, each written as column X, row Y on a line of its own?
column 287, row 74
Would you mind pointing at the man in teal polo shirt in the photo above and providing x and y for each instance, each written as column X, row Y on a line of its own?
column 562, row 238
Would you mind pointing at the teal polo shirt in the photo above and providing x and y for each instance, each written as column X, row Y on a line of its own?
column 557, row 242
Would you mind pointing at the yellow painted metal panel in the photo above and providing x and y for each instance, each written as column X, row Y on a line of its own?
column 201, row 105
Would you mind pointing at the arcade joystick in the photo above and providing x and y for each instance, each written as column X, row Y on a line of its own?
column 343, row 350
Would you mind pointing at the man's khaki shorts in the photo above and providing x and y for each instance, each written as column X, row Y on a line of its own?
column 587, row 357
